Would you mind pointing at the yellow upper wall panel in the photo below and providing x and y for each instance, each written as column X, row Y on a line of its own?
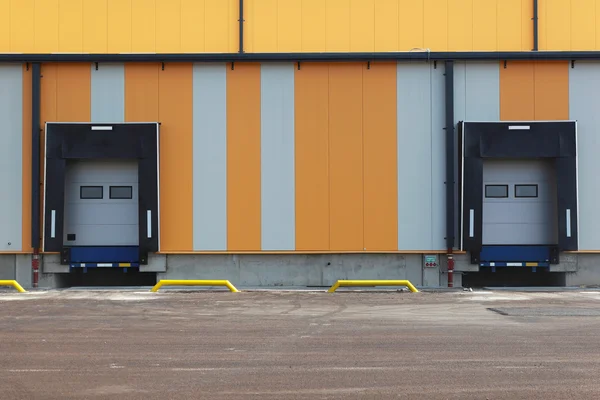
column 196, row 26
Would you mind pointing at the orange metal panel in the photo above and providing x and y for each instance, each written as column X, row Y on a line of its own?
column 217, row 19
column 527, row 25
column 558, row 28
column 517, row 93
column 337, row 25
column 460, row 25
column 380, row 157
column 143, row 26
column 436, row 24
column 263, row 18
column 509, row 25
column 542, row 24
column 386, row 25
column 175, row 86
column 583, row 25
column 141, row 92
column 484, row 25
column 346, row 157
column 73, row 91
column 312, row 156
column 410, row 24
column 243, row 158
column 26, row 157
column 192, row 26
column 362, row 25
column 5, row 26
column 45, row 18
column 551, row 90
column 119, row 26
column 168, row 26
column 314, row 24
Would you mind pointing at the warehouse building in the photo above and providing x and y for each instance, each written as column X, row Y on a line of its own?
column 297, row 142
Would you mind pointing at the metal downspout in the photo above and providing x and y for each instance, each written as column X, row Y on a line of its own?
column 450, row 150
column 535, row 25
column 241, row 25
column 35, row 169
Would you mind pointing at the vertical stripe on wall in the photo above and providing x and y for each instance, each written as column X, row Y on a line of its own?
column 108, row 93
column 26, row 148
column 73, row 93
column 175, row 85
column 141, row 92
column 277, row 157
column 414, row 152
column 438, row 160
column 243, row 157
column 11, row 157
column 210, row 157
column 346, row 157
column 380, row 165
column 584, row 86
column 311, row 98
column 534, row 91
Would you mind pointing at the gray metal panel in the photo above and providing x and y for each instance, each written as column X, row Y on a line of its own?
column 108, row 93
column 210, row 157
column 520, row 221
column 584, row 103
column 278, row 216
column 438, row 160
column 102, row 222
column 414, row 156
column 11, row 157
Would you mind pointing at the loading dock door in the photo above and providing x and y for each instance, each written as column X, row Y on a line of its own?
column 519, row 202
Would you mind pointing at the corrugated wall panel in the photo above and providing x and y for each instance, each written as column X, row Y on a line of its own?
column 346, row 157
column 119, row 26
column 314, row 23
column 192, row 33
column 509, row 25
column 175, row 85
column 45, row 18
column 485, row 32
column 411, row 25
column 584, row 103
column 558, row 25
column 5, row 26
column 70, row 26
column 460, row 25
column 26, row 147
column 312, row 156
column 108, row 93
column 380, row 165
column 289, row 25
column 277, row 182
column 263, row 30
column 337, row 26
column 362, row 25
column 517, row 92
column 210, row 157
column 73, row 87
column 438, row 160
column 551, row 90
column 527, row 25
column 243, row 158
column 141, row 92
column 436, row 24
column 143, row 26
column 386, row 25
column 168, row 26
column 414, row 150
column 583, row 25
column 22, row 33
column 219, row 18
column 95, row 26
column 11, row 157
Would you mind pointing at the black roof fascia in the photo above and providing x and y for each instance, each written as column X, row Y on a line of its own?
column 274, row 57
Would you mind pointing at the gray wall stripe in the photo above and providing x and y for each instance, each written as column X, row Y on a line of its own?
column 278, row 219
column 210, row 157
column 108, row 93
column 584, row 103
column 11, row 157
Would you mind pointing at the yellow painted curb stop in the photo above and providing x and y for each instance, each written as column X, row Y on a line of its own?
column 347, row 283
column 14, row 284
column 192, row 282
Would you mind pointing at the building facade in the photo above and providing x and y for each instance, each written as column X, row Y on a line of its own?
column 297, row 142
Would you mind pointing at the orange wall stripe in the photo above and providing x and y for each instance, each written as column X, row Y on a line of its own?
column 141, row 92
column 346, row 157
column 551, row 90
column 380, row 157
column 243, row 157
column 26, row 157
column 73, row 93
column 175, row 114
column 517, row 91
column 311, row 93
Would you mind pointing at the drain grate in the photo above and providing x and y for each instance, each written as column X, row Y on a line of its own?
column 547, row 312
